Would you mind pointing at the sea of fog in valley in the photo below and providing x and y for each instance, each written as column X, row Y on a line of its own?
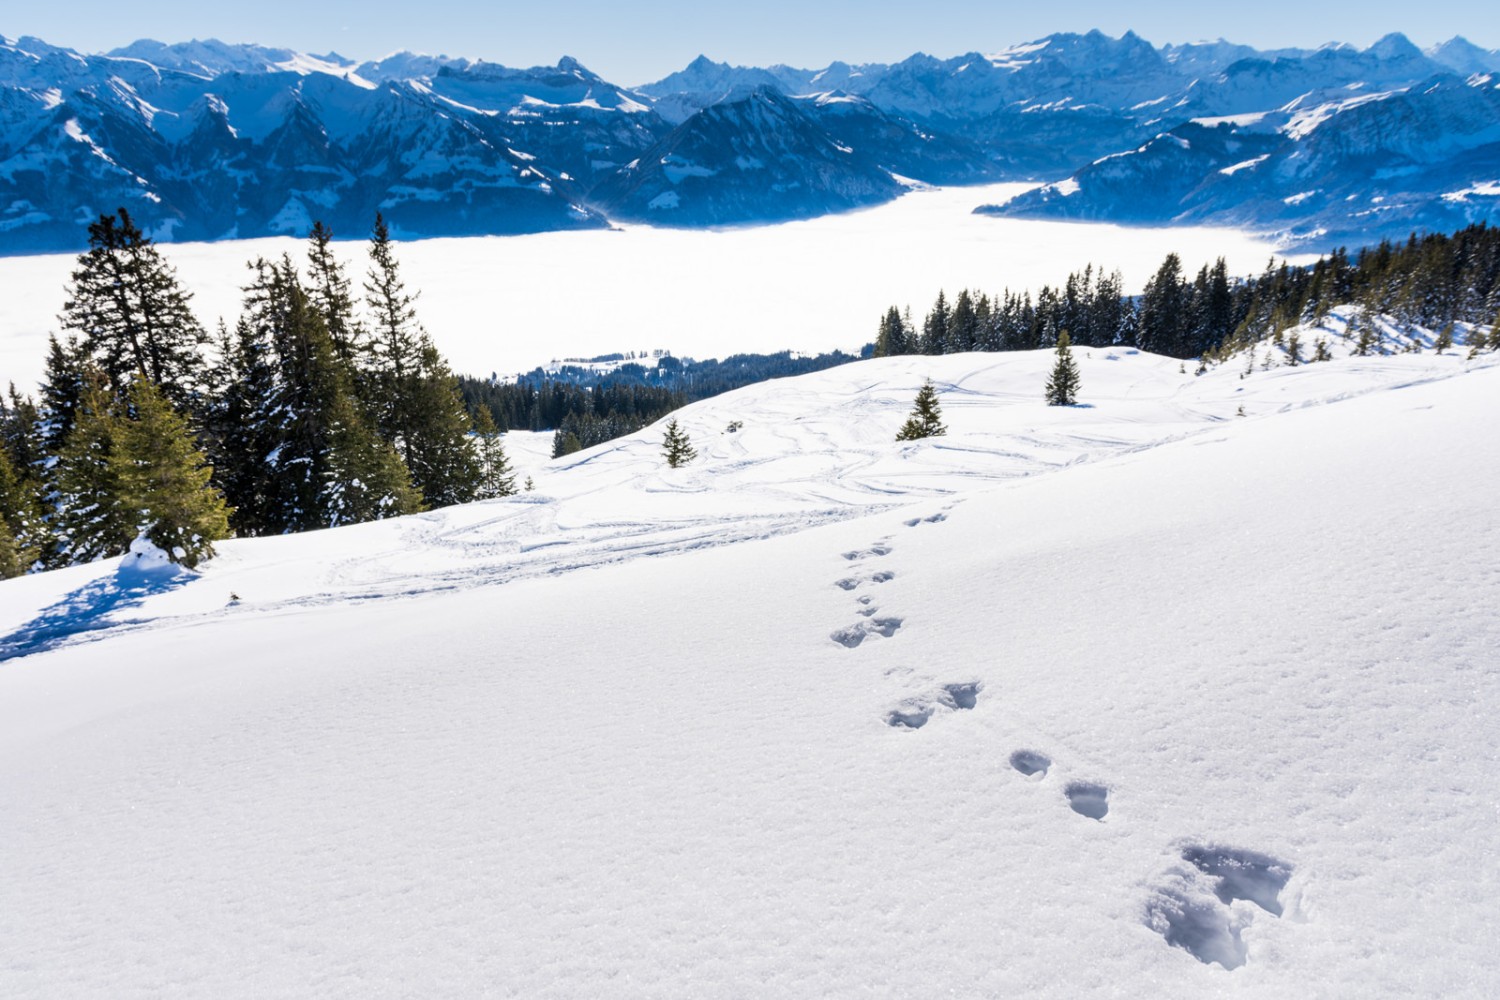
column 508, row 303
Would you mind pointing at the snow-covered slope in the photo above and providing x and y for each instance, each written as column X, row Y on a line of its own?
column 1138, row 697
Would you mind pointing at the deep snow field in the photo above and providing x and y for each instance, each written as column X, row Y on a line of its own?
column 1135, row 698
column 507, row 304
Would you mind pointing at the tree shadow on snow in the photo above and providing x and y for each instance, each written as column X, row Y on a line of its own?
column 94, row 606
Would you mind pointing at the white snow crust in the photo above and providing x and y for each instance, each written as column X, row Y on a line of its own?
column 1135, row 698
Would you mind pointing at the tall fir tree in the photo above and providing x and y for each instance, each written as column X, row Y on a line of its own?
column 164, row 479
column 418, row 407
column 1064, row 382
column 893, row 338
column 926, row 418
column 329, row 289
column 963, row 325
column 312, row 459
column 935, row 327
column 1164, row 308
column 132, row 314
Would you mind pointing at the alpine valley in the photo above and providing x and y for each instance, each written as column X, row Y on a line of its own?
column 209, row 141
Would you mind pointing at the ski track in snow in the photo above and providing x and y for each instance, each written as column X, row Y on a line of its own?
column 802, row 461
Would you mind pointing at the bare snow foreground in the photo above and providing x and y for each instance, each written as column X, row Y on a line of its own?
column 1139, row 698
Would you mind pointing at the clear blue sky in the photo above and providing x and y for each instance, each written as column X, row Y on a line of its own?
column 636, row 41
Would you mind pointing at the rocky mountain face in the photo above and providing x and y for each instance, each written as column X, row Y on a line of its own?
column 717, row 167
column 1382, row 164
column 203, row 140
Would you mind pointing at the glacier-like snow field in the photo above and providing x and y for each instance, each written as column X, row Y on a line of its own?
column 507, row 304
column 1143, row 697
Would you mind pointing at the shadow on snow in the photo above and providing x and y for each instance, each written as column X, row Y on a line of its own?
column 93, row 607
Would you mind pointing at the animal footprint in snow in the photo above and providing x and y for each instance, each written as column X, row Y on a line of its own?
column 1249, row 875
column 1031, row 763
column 1193, row 908
column 934, row 519
column 1087, row 798
column 878, row 549
column 915, row 712
column 858, row 632
column 854, row 582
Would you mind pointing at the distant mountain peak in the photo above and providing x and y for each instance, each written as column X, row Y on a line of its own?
column 1395, row 46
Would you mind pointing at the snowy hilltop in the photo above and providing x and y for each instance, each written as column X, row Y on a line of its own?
column 1184, row 690
column 205, row 141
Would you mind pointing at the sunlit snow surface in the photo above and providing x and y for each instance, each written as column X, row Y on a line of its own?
column 510, row 303
column 1137, row 698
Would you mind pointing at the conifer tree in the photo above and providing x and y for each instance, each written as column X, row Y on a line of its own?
column 313, row 460
column 1063, row 384
column 91, row 520
column 329, row 291
column 497, row 480
column 62, row 386
column 1478, row 341
column 1163, row 310
column 1444, row 340
column 164, row 480
column 20, row 521
column 440, row 453
column 133, row 316
column 963, row 325
column 893, row 337
column 926, row 418
column 365, row 480
column 935, row 327
column 417, row 404
column 20, row 435
column 565, row 442
column 676, row 445
column 13, row 561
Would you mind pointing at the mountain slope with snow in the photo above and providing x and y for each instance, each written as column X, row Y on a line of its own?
column 1137, row 696
column 1350, row 169
column 203, row 140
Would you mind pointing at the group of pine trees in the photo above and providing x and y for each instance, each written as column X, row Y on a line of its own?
column 310, row 412
column 1432, row 281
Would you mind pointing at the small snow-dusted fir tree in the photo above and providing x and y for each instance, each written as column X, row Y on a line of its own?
column 926, row 418
column 676, row 446
column 497, row 479
column 1063, row 383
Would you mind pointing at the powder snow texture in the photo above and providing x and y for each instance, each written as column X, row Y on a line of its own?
column 1267, row 645
column 510, row 303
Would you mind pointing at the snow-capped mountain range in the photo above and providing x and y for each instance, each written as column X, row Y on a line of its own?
column 204, row 140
